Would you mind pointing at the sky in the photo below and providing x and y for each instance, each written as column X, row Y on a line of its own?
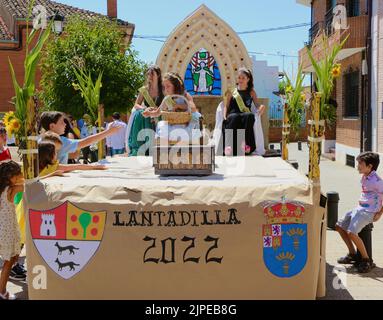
column 159, row 18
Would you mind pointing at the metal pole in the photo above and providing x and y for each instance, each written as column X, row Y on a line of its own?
column 332, row 209
column 368, row 125
column 366, row 236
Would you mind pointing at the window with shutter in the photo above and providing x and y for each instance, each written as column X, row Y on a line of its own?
column 353, row 8
column 330, row 4
column 351, row 95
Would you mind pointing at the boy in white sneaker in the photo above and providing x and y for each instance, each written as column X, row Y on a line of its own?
column 369, row 210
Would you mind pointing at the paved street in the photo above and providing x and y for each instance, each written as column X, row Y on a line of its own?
column 345, row 180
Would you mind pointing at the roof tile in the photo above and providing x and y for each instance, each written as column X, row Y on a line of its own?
column 4, row 32
column 19, row 9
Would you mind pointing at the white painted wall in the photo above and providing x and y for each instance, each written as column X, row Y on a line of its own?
column 327, row 145
column 265, row 80
column 343, row 150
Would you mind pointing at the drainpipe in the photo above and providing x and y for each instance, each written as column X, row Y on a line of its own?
column 364, row 103
column 368, row 125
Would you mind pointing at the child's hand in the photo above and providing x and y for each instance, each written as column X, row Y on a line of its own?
column 58, row 173
column 377, row 216
column 98, row 167
column 147, row 112
column 152, row 112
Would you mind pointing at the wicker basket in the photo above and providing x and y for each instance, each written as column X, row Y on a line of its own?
column 173, row 117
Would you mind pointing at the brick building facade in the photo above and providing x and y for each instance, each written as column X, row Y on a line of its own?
column 352, row 94
column 13, row 15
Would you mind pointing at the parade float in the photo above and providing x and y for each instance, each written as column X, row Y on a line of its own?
column 253, row 229
column 255, row 223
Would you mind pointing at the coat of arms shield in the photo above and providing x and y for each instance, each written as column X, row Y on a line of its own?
column 67, row 237
column 284, row 238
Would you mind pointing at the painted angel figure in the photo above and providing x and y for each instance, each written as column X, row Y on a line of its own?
column 202, row 71
column 203, row 78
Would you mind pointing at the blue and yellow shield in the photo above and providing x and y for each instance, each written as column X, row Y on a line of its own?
column 284, row 239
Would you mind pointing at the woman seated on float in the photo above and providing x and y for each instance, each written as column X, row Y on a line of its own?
column 151, row 96
column 237, row 115
column 180, row 133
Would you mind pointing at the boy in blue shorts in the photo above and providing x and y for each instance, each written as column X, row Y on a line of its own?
column 369, row 210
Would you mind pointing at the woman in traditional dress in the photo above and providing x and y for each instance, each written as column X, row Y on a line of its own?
column 151, row 96
column 238, row 115
column 183, row 133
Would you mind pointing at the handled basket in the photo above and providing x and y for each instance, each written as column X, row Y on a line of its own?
column 173, row 117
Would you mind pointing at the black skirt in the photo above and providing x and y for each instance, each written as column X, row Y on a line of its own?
column 236, row 141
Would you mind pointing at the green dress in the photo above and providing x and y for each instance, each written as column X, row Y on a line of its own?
column 141, row 123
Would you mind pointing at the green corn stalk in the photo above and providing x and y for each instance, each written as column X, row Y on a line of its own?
column 324, row 79
column 24, row 93
column 294, row 100
column 322, row 110
column 90, row 91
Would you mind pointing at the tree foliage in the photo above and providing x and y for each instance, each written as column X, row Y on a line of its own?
column 96, row 45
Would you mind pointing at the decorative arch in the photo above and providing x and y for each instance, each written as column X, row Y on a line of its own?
column 204, row 29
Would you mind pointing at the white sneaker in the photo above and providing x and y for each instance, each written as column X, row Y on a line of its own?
column 7, row 296
column 11, row 296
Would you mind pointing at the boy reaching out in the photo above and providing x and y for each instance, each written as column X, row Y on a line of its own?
column 53, row 121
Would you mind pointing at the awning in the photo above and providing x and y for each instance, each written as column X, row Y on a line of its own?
column 304, row 2
column 345, row 53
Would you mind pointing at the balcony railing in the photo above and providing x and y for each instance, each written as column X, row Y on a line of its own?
column 315, row 29
column 329, row 17
column 325, row 25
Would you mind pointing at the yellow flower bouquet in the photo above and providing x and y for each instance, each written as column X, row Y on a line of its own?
column 12, row 124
